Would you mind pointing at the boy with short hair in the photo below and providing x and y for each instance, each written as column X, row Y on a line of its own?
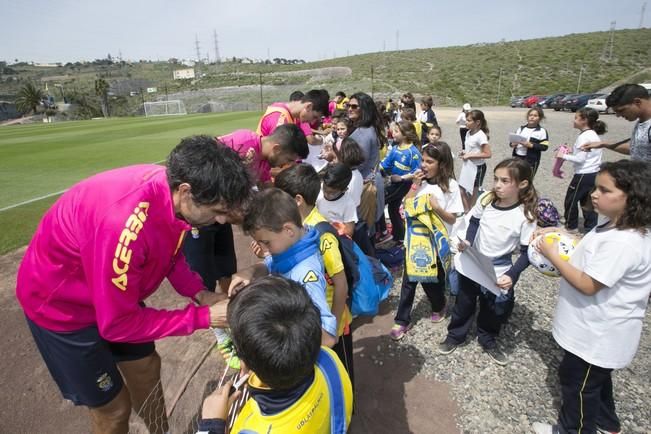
column 303, row 184
column 274, row 222
column 334, row 203
column 295, row 385
column 310, row 108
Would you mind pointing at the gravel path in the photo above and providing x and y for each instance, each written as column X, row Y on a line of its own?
column 508, row 399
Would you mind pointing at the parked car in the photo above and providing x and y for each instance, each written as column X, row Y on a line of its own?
column 533, row 100
column 580, row 101
column 547, row 102
column 558, row 103
column 599, row 104
column 517, row 101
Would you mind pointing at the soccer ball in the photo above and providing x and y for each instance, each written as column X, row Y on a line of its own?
column 566, row 246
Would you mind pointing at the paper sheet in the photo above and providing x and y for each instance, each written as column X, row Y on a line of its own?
column 516, row 138
column 467, row 176
column 477, row 267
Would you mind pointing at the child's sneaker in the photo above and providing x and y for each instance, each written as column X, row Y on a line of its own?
column 497, row 355
column 545, row 428
column 603, row 431
column 382, row 237
column 398, row 331
column 438, row 316
column 446, row 347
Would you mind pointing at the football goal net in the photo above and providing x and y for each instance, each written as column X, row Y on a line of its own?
column 164, row 108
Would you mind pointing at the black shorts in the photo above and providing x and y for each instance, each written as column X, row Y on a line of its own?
column 84, row 365
column 479, row 177
column 211, row 253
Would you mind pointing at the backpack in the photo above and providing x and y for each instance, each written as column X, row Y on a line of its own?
column 368, row 280
column 392, row 257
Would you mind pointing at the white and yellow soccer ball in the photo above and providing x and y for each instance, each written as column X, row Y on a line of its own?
column 566, row 246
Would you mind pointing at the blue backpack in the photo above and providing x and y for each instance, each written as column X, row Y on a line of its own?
column 368, row 280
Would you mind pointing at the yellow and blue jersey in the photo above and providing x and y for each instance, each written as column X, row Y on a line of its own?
column 402, row 160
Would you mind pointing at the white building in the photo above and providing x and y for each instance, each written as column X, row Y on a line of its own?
column 180, row 74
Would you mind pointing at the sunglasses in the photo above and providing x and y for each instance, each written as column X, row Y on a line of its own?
column 353, row 106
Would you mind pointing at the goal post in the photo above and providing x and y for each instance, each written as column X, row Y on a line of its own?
column 164, row 108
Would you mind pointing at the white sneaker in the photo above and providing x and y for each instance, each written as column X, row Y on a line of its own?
column 544, row 428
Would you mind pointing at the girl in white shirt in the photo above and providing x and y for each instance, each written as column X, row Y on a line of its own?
column 350, row 154
column 435, row 178
column 461, row 123
column 501, row 223
column 586, row 166
column 536, row 139
column 604, row 292
column 477, row 151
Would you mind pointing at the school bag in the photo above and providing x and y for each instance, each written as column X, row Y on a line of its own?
column 368, row 280
column 392, row 257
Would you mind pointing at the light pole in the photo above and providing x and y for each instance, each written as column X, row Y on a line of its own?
column 499, row 88
column 60, row 86
column 578, row 86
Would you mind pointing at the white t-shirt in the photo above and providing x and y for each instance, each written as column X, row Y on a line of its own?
column 461, row 120
column 473, row 145
column 501, row 231
column 537, row 133
column 604, row 329
column 585, row 162
column 342, row 210
column 450, row 201
column 355, row 187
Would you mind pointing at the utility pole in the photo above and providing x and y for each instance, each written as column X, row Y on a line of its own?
column 499, row 87
column 384, row 45
column 196, row 44
column 372, row 82
column 397, row 40
column 261, row 98
column 268, row 54
column 578, row 86
column 217, row 57
column 641, row 26
column 612, row 39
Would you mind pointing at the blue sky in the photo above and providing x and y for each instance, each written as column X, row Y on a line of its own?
column 71, row 30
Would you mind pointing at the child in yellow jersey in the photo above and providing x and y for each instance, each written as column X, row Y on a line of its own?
column 295, row 384
column 303, row 184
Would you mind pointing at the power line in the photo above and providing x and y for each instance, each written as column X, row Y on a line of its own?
column 196, row 44
column 641, row 26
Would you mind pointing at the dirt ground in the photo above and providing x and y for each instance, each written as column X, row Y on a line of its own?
column 31, row 402
column 392, row 397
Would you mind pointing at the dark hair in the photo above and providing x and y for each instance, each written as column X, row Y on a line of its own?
column 441, row 152
column 407, row 100
column 291, row 140
column 478, row 115
column 427, row 101
column 300, row 179
column 408, row 114
column 270, row 209
column 338, row 113
column 297, row 95
column 634, row 179
column 214, row 171
column 369, row 116
column 538, row 110
column 625, row 94
column 320, row 100
column 592, row 116
column 408, row 130
column 350, row 153
column 341, row 94
column 337, row 176
column 436, row 127
column 276, row 331
column 349, row 123
column 519, row 170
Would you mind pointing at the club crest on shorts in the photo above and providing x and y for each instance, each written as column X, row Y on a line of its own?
column 104, row 382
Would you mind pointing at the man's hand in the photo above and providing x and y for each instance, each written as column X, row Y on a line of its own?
column 593, row 145
column 217, row 404
column 208, row 298
column 218, row 314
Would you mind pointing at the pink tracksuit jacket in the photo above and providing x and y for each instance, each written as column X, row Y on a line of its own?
column 103, row 247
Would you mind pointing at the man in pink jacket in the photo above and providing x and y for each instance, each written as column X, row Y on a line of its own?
column 100, row 251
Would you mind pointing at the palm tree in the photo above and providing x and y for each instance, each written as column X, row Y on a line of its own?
column 29, row 98
column 101, row 90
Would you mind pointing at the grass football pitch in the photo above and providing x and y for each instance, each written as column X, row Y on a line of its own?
column 40, row 159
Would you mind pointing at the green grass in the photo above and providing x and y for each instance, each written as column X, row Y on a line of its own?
column 36, row 160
